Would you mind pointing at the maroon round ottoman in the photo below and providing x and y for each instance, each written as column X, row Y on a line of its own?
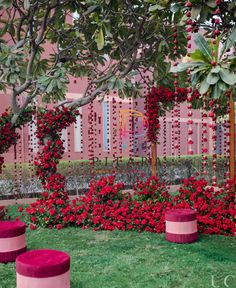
column 12, row 240
column 43, row 269
column 181, row 226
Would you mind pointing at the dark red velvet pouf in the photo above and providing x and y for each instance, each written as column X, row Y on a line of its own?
column 12, row 240
column 43, row 269
column 181, row 226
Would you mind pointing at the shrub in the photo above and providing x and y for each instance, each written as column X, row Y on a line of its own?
column 215, row 206
column 107, row 207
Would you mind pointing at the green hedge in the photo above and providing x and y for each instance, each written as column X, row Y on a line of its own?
column 176, row 168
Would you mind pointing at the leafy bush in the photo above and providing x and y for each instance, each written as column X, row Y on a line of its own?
column 215, row 206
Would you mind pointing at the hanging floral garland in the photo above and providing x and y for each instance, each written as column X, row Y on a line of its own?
column 158, row 101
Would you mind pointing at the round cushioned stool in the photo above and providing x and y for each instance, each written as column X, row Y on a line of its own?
column 43, row 269
column 181, row 226
column 12, row 240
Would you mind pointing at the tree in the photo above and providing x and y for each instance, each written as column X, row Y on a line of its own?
column 107, row 41
column 110, row 42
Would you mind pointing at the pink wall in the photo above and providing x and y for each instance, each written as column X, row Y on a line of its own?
column 122, row 141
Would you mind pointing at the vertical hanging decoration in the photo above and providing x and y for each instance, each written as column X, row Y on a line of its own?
column 231, row 136
column 215, row 33
column 176, row 110
column 91, row 138
column 81, row 166
column 30, row 154
column 146, row 142
column 15, row 189
column 189, row 89
column 20, row 172
column 226, row 145
column 204, row 137
column 114, row 135
column 212, row 125
column 69, row 157
column 120, row 131
column 136, row 131
column 35, row 145
column 164, row 147
column 131, row 135
column 172, row 135
column 109, row 147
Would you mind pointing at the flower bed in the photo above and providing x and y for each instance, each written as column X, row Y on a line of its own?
column 106, row 207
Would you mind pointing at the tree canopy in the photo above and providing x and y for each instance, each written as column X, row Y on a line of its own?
column 112, row 42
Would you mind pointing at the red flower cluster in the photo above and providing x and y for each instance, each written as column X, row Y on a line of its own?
column 107, row 207
column 158, row 101
column 215, row 206
column 8, row 134
column 49, row 125
column 51, row 210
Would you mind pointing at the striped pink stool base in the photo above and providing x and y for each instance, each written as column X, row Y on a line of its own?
column 43, row 269
column 181, row 226
column 61, row 281
column 12, row 240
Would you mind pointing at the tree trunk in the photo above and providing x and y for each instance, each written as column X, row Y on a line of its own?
column 154, row 158
column 232, row 138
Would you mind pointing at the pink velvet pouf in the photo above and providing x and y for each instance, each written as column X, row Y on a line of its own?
column 181, row 226
column 12, row 240
column 43, row 269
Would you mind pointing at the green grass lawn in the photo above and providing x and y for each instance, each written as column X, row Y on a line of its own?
column 128, row 259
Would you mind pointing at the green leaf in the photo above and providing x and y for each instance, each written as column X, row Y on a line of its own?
column 216, row 92
column 175, row 7
column 111, row 83
column 229, row 42
column 49, row 88
column 198, row 55
column 26, row 4
column 100, row 39
column 153, row 8
column 211, row 3
column 227, row 76
column 233, row 63
column 204, row 87
column 203, row 46
column 223, row 87
column 199, row 69
column 119, row 84
column 216, row 69
column 212, row 78
column 90, row 9
column 195, row 11
column 184, row 66
column 4, row 30
column 194, row 80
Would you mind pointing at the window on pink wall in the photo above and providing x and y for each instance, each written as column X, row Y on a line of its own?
column 78, row 134
column 64, row 139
